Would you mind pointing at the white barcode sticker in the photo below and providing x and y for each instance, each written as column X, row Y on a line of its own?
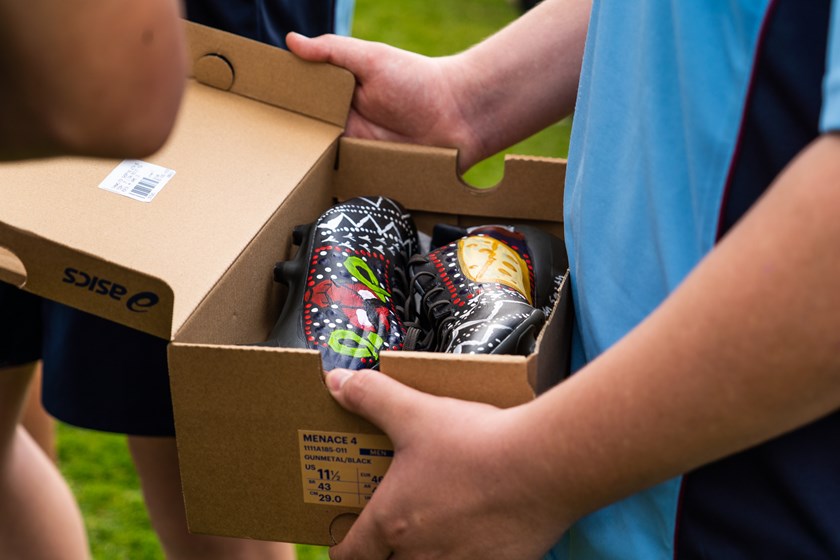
column 137, row 179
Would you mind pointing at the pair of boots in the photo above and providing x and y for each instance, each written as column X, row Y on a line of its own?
column 359, row 285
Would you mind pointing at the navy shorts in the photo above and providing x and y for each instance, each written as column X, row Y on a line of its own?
column 265, row 21
column 20, row 326
column 104, row 376
column 97, row 374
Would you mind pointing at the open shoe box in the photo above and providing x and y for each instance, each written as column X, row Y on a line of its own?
column 265, row 452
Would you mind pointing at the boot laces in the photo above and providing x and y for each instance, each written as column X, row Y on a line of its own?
column 438, row 313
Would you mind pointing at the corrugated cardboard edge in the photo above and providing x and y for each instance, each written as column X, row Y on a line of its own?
column 550, row 364
column 496, row 380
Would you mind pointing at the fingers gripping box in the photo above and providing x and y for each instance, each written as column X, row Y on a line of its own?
column 182, row 246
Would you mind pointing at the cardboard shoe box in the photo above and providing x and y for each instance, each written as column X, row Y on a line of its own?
column 265, row 452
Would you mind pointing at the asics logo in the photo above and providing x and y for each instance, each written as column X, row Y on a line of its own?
column 137, row 303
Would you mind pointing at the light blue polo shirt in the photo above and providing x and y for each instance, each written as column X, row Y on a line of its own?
column 659, row 110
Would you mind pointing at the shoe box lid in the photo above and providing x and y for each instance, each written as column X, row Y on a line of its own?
column 254, row 122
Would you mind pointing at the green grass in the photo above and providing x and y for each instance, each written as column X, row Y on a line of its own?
column 100, row 472
column 98, row 466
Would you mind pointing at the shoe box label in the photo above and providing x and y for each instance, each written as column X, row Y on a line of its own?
column 137, row 179
column 342, row 469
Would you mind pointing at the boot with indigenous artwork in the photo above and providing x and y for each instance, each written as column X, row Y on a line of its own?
column 347, row 283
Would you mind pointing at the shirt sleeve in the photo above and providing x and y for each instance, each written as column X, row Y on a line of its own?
column 830, row 116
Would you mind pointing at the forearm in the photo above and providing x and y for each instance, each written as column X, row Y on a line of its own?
column 748, row 347
column 524, row 77
column 89, row 77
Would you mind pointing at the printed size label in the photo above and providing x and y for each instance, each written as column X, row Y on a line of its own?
column 340, row 468
column 137, row 179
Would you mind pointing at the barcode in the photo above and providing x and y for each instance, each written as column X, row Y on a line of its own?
column 145, row 187
column 137, row 179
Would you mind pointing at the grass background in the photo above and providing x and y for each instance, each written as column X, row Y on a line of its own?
column 98, row 466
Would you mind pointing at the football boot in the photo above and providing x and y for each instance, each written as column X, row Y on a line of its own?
column 487, row 292
column 347, row 283
column 543, row 253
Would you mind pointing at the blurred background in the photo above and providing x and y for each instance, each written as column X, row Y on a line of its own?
column 98, row 466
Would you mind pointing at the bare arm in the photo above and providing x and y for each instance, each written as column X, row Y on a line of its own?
column 525, row 77
column 89, row 77
column 745, row 349
column 498, row 92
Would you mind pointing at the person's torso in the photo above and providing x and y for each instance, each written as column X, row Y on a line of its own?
column 686, row 113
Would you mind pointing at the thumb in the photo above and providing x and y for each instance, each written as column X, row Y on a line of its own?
column 375, row 396
column 335, row 49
